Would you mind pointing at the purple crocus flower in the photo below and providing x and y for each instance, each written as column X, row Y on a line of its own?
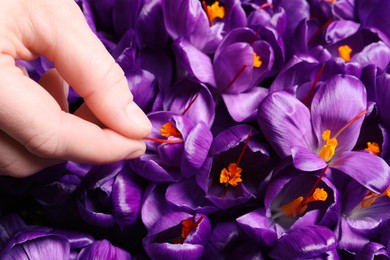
column 181, row 154
column 178, row 235
column 324, row 135
column 111, row 196
column 239, row 164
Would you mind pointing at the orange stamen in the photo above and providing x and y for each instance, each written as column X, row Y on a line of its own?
column 168, row 129
column 345, row 52
column 299, row 205
column 213, row 11
column 371, row 197
column 373, row 148
column 256, row 60
column 232, row 175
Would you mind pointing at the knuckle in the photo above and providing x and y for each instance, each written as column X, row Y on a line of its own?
column 44, row 145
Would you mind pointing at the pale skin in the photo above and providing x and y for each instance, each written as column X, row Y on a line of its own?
column 36, row 130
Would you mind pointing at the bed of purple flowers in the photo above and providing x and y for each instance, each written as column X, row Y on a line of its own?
column 271, row 138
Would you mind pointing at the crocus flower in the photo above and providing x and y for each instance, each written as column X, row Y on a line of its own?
column 239, row 164
column 181, row 154
column 178, row 235
column 111, row 196
column 324, row 135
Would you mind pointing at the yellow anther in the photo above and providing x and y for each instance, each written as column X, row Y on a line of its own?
column 215, row 11
column 299, row 205
column 328, row 149
column 232, row 175
column 256, row 61
column 345, row 52
column 373, row 148
column 168, row 129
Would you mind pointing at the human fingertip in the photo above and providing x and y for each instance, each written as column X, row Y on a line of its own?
column 138, row 152
column 139, row 120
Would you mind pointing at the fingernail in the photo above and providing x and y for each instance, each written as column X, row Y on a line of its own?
column 138, row 118
column 139, row 152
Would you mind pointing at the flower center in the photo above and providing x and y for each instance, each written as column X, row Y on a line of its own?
column 373, row 148
column 345, row 52
column 214, row 11
column 299, row 205
column 168, row 129
column 256, row 60
column 371, row 197
column 188, row 225
column 327, row 151
column 232, row 175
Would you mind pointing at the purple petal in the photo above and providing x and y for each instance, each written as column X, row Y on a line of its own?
column 150, row 167
column 9, row 225
column 336, row 103
column 258, row 227
column 186, row 18
column 188, row 196
column 373, row 14
column 154, row 205
column 243, row 106
column 372, row 251
column 195, row 62
column 306, row 160
column 183, row 92
column 339, row 30
column 197, row 146
column 124, row 15
column 233, row 68
column 285, row 122
column 296, row 10
column 170, row 154
column 126, row 199
column 367, row 169
column 307, row 242
column 348, row 238
column 103, row 249
column 376, row 53
column 36, row 246
column 148, row 25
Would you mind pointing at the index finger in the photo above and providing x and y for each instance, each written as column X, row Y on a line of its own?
column 59, row 32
